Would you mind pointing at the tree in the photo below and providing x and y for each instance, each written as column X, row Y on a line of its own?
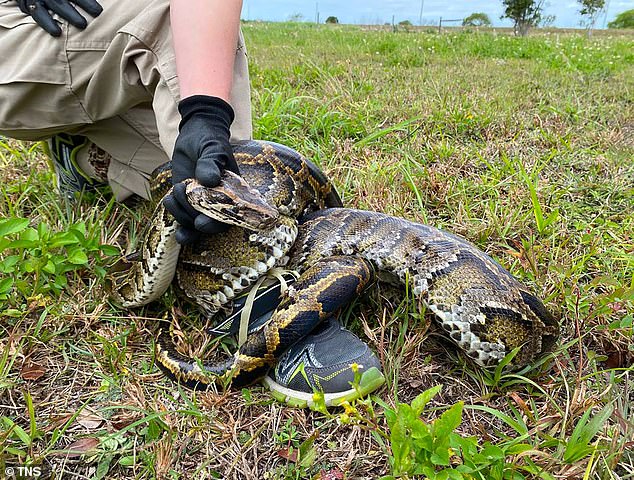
column 591, row 9
column 525, row 14
column 296, row 17
column 405, row 25
column 332, row 19
column 477, row 19
column 623, row 20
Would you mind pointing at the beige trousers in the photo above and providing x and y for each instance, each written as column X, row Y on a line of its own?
column 114, row 82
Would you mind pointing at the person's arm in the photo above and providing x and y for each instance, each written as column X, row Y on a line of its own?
column 205, row 34
column 205, row 37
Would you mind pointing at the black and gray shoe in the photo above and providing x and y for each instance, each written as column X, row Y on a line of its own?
column 62, row 152
column 331, row 365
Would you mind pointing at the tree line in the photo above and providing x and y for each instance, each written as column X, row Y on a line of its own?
column 530, row 13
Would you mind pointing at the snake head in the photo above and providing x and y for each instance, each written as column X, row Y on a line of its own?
column 233, row 202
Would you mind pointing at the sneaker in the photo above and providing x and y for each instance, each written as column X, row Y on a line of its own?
column 62, row 152
column 327, row 362
column 331, row 362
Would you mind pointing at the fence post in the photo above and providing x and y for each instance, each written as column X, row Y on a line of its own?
column 440, row 25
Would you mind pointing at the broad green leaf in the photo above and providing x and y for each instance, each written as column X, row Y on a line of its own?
column 518, row 448
column 109, row 250
column 103, row 467
column 62, row 239
column 6, row 284
column 29, row 234
column 43, row 230
column 307, row 444
column 6, row 266
column 154, row 431
column 12, row 225
column 100, row 272
column 420, row 431
column 80, row 228
column 390, row 416
column 28, row 239
column 448, row 421
column 126, row 461
column 442, row 475
column 428, row 471
column 468, row 446
column 441, row 456
column 454, row 475
column 468, row 467
column 401, row 440
column 419, row 403
column 49, row 267
column 77, row 256
column 307, row 456
column 492, row 452
column 60, row 282
column 30, row 265
column 24, row 244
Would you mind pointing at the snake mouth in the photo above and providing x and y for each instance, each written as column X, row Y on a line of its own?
column 244, row 217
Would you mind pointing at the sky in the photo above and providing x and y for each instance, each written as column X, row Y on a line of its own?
column 566, row 12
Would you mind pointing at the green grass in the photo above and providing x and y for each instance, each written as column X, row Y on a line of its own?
column 522, row 145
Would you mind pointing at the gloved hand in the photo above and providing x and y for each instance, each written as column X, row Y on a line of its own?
column 41, row 10
column 202, row 151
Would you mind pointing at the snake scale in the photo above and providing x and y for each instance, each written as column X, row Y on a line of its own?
column 284, row 212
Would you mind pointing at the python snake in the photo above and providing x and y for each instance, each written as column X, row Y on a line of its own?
column 281, row 214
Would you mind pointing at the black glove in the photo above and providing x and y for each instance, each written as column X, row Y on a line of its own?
column 41, row 10
column 202, row 151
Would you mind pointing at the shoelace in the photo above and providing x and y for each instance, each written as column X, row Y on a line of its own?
column 275, row 273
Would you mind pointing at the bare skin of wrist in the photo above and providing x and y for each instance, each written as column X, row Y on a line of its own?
column 205, row 36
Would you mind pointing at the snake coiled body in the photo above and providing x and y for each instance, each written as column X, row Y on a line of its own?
column 485, row 310
column 281, row 217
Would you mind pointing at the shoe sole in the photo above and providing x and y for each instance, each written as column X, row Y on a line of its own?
column 370, row 381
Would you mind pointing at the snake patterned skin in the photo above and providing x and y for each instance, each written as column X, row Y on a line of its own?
column 281, row 215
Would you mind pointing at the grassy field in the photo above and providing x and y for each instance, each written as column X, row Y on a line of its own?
column 525, row 146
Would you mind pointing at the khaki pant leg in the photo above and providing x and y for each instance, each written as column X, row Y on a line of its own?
column 132, row 141
column 114, row 82
column 35, row 96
